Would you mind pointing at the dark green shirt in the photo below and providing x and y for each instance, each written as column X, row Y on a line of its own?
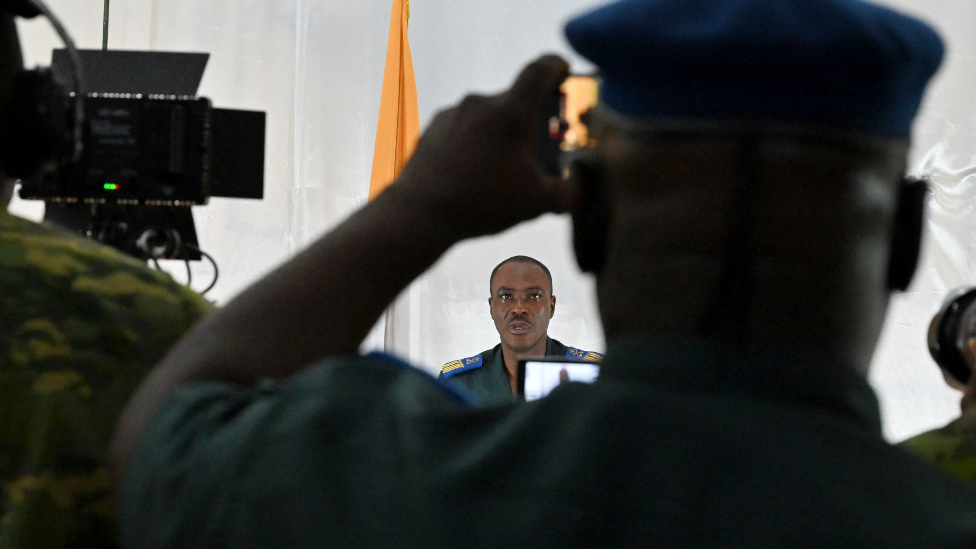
column 80, row 326
column 677, row 444
column 483, row 376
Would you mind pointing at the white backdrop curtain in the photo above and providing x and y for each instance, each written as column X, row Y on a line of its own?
column 316, row 66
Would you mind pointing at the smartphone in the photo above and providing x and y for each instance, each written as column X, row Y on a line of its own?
column 538, row 376
column 564, row 123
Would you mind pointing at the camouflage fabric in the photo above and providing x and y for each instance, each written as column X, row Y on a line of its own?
column 952, row 447
column 80, row 325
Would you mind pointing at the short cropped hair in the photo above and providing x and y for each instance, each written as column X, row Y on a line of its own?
column 520, row 259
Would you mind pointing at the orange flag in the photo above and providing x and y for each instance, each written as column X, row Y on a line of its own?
column 398, row 129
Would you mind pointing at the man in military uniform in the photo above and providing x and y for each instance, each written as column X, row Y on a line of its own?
column 741, row 210
column 80, row 326
column 521, row 305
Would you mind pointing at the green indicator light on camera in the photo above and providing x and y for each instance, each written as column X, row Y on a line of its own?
column 111, row 187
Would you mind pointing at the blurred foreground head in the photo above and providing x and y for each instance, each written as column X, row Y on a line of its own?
column 748, row 181
column 11, row 62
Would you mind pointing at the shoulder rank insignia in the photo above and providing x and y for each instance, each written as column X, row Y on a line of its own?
column 580, row 354
column 460, row 366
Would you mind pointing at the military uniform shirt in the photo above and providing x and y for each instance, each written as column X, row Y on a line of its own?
column 678, row 444
column 483, row 376
column 80, row 325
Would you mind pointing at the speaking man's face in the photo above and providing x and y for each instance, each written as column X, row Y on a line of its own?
column 521, row 305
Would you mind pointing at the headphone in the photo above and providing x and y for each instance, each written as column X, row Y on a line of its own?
column 906, row 237
column 44, row 120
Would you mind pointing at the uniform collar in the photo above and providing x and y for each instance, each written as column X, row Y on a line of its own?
column 553, row 348
column 809, row 378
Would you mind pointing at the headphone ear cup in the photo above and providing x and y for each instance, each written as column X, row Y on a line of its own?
column 37, row 128
column 591, row 214
column 906, row 237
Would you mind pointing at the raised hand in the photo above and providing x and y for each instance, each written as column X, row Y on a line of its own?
column 476, row 165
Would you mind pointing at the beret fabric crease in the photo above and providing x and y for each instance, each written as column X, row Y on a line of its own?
column 835, row 63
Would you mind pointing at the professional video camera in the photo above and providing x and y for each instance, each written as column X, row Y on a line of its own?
column 123, row 151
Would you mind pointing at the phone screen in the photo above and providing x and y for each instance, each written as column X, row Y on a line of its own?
column 564, row 125
column 579, row 95
column 541, row 377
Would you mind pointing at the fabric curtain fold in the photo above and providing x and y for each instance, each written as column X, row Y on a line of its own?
column 398, row 126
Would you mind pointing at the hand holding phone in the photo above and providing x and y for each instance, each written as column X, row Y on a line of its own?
column 564, row 124
column 538, row 376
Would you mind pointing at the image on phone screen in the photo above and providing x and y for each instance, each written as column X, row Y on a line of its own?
column 537, row 378
column 564, row 123
column 579, row 96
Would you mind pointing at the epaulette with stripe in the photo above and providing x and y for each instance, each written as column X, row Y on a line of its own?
column 460, row 366
column 580, row 354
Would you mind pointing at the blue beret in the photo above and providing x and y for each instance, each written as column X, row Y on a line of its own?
column 837, row 63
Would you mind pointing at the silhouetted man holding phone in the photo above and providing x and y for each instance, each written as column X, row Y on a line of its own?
column 746, row 216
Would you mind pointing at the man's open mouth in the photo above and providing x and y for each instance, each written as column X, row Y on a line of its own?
column 519, row 327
